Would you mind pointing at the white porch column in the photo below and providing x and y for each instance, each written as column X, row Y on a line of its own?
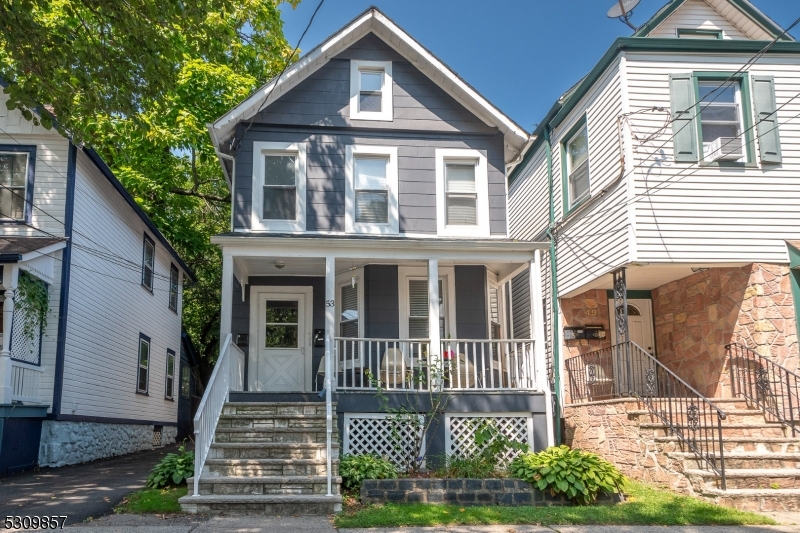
column 226, row 310
column 10, row 277
column 433, row 320
column 539, row 336
column 330, row 353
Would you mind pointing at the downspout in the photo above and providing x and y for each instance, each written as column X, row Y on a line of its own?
column 554, row 285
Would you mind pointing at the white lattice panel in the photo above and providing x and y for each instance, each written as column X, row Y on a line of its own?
column 460, row 431
column 383, row 435
column 22, row 347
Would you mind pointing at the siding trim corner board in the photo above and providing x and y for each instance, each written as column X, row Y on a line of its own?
column 63, row 302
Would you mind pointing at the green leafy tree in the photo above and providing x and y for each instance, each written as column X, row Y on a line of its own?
column 139, row 80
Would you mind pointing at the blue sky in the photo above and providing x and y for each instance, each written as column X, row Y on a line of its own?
column 520, row 54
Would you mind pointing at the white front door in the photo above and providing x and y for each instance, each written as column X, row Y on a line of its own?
column 280, row 357
column 640, row 331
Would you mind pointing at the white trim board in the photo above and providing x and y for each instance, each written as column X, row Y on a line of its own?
column 482, row 229
column 260, row 151
column 392, row 227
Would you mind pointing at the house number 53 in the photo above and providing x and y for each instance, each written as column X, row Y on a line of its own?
column 329, row 303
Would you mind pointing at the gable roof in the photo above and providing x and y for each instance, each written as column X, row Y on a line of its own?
column 373, row 20
column 743, row 6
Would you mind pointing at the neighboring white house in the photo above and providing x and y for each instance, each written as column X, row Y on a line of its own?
column 668, row 181
column 101, row 377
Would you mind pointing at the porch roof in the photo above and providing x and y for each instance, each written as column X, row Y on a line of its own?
column 14, row 249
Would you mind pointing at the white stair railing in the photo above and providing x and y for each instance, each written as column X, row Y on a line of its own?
column 228, row 376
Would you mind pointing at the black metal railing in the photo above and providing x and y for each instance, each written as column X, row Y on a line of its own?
column 626, row 370
column 771, row 387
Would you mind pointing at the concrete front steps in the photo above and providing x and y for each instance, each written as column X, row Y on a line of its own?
column 268, row 458
column 762, row 459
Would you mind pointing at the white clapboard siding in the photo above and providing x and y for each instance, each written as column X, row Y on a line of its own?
column 108, row 308
column 528, row 200
column 589, row 244
column 697, row 14
column 686, row 212
column 50, row 179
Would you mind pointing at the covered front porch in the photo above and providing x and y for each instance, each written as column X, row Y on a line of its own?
column 369, row 314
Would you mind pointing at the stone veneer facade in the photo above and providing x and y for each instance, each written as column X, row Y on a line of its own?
column 698, row 315
column 68, row 443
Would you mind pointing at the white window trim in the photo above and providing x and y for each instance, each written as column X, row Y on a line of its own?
column 393, row 225
column 386, row 113
column 260, row 149
column 448, row 277
column 482, row 229
column 341, row 281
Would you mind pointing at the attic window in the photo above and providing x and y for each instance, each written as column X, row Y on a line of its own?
column 371, row 90
column 695, row 33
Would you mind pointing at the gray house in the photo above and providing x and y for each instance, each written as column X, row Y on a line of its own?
column 368, row 256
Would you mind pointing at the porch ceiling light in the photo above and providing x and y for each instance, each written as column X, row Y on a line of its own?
column 279, row 264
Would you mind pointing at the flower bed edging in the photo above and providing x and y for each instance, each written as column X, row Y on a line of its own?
column 508, row 492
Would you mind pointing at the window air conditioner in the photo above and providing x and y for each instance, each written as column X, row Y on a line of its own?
column 724, row 149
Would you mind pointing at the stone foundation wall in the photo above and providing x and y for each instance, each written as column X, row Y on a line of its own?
column 508, row 492
column 698, row 315
column 66, row 443
column 611, row 430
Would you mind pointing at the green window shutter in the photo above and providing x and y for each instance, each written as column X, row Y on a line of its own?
column 769, row 139
column 684, row 130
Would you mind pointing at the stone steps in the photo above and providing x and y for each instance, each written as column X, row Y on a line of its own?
column 268, row 467
column 266, row 504
column 744, row 444
column 272, row 435
column 764, row 429
column 260, row 485
column 746, row 478
column 271, row 450
column 784, row 500
column 268, row 458
column 734, row 417
column 743, row 460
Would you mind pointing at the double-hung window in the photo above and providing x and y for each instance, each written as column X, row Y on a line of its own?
column 418, row 310
column 371, row 90
column 148, row 263
column 720, row 117
column 462, row 193
column 143, row 367
column 576, row 167
column 14, row 183
column 173, row 287
column 371, row 190
column 169, row 392
column 279, row 186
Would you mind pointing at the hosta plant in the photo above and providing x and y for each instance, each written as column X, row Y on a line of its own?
column 174, row 469
column 354, row 469
column 579, row 475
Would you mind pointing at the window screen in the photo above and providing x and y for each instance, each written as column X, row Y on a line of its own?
column 280, row 187
column 578, row 165
column 14, row 180
column 173, row 287
column 170, row 381
column 148, row 263
column 371, row 190
column 144, row 364
column 719, row 111
column 461, row 194
column 418, row 309
column 369, row 96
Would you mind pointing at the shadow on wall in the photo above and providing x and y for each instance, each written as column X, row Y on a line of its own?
column 698, row 315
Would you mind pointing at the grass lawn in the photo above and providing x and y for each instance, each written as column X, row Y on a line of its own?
column 152, row 501
column 645, row 505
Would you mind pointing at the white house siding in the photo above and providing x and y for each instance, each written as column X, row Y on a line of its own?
column 711, row 214
column 108, row 308
column 697, row 14
column 595, row 241
column 528, row 203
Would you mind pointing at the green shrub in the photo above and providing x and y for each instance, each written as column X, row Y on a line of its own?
column 356, row 468
column 579, row 475
column 174, row 469
column 477, row 467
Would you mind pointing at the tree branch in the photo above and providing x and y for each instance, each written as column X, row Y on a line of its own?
column 207, row 197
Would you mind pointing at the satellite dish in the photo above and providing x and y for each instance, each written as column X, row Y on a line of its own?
column 623, row 10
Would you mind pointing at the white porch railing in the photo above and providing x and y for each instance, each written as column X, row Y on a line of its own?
column 228, row 376
column 25, row 380
column 396, row 364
